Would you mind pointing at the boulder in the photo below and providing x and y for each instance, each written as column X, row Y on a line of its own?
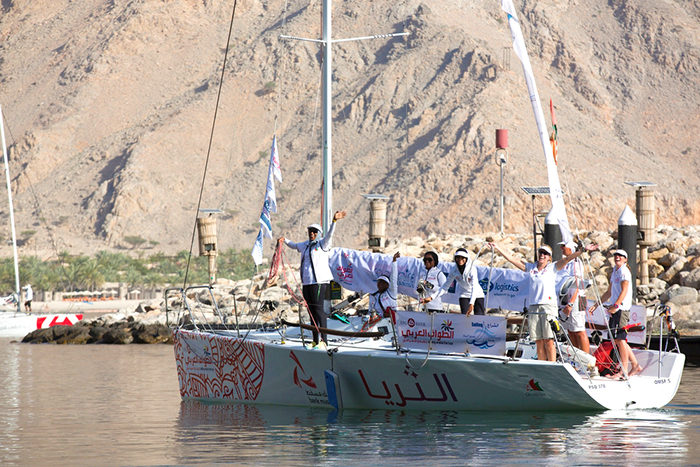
column 693, row 249
column 152, row 334
column 117, row 336
column 655, row 269
column 273, row 293
column 668, row 259
column 72, row 335
column 679, row 295
column 39, row 336
column 671, row 275
column 658, row 254
column 97, row 333
column 602, row 239
column 691, row 279
column 602, row 283
column 693, row 262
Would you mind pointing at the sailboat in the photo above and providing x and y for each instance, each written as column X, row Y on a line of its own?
column 13, row 322
column 420, row 361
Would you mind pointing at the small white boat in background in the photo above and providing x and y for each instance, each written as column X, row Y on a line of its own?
column 16, row 323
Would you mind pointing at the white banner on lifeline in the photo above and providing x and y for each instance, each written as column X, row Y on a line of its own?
column 451, row 332
column 358, row 271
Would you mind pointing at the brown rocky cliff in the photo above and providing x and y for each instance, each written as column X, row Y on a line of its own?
column 109, row 107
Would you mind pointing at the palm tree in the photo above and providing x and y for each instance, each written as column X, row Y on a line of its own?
column 90, row 275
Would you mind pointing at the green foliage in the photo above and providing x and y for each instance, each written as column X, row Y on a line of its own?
column 134, row 240
column 28, row 233
column 73, row 273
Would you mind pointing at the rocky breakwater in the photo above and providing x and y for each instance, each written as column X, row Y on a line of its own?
column 674, row 272
column 144, row 325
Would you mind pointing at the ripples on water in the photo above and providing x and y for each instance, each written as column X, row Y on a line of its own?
column 120, row 406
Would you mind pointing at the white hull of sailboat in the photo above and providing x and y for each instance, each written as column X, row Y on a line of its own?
column 370, row 375
column 17, row 325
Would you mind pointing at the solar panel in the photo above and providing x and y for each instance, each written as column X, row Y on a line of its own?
column 373, row 196
column 638, row 184
column 535, row 190
column 211, row 211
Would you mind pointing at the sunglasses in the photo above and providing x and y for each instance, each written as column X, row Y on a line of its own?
column 427, row 260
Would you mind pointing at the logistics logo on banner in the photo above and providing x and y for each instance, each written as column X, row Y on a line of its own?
column 507, row 287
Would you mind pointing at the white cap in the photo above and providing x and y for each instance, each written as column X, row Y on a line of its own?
column 546, row 249
column 315, row 226
column 570, row 245
column 461, row 253
column 621, row 253
column 383, row 278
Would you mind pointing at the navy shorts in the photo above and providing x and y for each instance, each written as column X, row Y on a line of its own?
column 619, row 320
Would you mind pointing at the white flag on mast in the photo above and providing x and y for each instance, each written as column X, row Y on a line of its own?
column 555, row 191
column 257, row 252
column 275, row 167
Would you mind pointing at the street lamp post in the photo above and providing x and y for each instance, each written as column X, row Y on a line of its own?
column 501, row 160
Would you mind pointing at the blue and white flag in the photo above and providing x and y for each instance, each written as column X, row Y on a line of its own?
column 257, row 252
column 270, row 197
column 265, row 221
column 270, row 203
column 554, row 186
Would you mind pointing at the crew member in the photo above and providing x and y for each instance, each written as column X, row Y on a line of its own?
column 471, row 296
column 432, row 280
column 542, row 302
column 315, row 272
column 383, row 301
column 619, row 310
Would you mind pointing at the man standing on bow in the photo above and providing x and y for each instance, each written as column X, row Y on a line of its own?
column 315, row 272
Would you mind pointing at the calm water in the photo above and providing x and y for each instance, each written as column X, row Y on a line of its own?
column 120, row 406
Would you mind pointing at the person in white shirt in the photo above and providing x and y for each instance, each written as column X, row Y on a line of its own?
column 29, row 294
column 542, row 302
column 619, row 310
column 471, row 295
column 436, row 278
column 571, row 314
column 315, row 272
column 383, row 302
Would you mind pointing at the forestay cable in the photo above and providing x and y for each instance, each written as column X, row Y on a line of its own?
column 211, row 139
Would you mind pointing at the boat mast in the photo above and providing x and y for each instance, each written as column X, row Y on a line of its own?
column 12, row 210
column 327, row 73
column 326, row 42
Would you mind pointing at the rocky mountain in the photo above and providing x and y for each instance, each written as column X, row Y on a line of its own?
column 116, row 109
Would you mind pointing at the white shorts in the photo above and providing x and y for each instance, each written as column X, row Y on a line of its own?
column 575, row 322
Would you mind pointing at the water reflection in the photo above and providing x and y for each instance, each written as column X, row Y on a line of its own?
column 249, row 434
column 120, row 406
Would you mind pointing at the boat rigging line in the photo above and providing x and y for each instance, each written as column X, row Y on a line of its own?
column 211, row 139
